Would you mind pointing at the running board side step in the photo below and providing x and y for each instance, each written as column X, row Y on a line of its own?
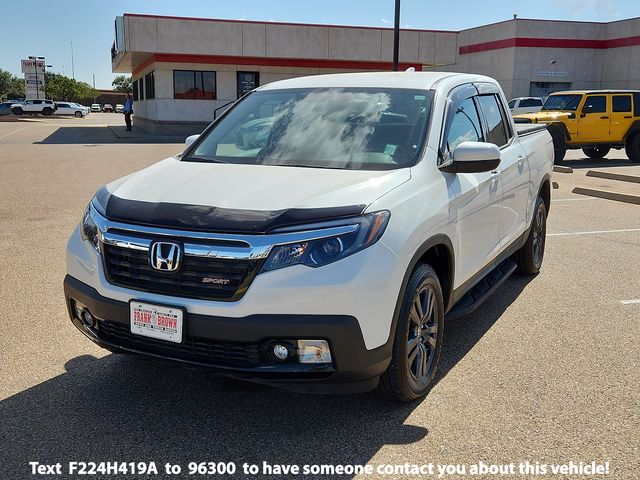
column 482, row 290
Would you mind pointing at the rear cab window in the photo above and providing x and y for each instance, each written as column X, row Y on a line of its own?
column 621, row 103
column 497, row 130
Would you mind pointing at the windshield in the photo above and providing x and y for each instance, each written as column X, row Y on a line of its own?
column 345, row 128
column 562, row 102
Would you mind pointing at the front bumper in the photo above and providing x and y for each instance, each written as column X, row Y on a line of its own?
column 232, row 346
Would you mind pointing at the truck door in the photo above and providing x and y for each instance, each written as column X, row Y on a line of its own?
column 474, row 198
column 594, row 119
column 514, row 169
column 621, row 116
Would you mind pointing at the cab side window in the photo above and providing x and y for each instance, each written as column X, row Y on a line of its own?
column 621, row 103
column 464, row 127
column 496, row 125
column 595, row 104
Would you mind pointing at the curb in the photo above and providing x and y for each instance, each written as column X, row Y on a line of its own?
column 622, row 177
column 616, row 196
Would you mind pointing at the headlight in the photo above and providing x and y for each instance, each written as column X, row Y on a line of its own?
column 322, row 251
column 89, row 229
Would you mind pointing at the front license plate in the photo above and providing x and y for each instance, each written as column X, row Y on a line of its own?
column 156, row 321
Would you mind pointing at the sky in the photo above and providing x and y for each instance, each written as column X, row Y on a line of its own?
column 49, row 27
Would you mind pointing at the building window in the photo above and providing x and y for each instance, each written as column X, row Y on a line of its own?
column 141, row 88
column 150, row 85
column 247, row 81
column 135, row 91
column 188, row 84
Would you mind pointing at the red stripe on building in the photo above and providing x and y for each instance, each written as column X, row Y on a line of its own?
column 272, row 62
column 549, row 43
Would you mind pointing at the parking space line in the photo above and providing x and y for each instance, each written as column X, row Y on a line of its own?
column 593, row 232
column 573, row 199
column 630, row 302
column 15, row 131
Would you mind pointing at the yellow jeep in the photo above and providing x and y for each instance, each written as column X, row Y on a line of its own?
column 594, row 120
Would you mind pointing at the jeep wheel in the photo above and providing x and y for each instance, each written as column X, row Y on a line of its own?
column 559, row 146
column 418, row 339
column 633, row 148
column 78, row 114
column 17, row 111
column 47, row 112
column 529, row 257
column 596, row 152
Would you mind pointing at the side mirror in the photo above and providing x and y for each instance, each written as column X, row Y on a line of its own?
column 190, row 139
column 474, row 157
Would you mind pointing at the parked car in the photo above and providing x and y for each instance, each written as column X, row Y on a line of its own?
column 96, row 107
column 69, row 108
column 525, row 105
column 324, row 256
column 107, row 108
column 5, row 108
column 119, row 108
column 594, row 120
column 32, row 107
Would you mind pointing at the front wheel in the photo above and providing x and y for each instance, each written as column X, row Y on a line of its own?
column 559, row 146
column 78, row 114
column 418, row 339
column 633, row 148
column 18, row 111
column 596, row 152
column 529, row 257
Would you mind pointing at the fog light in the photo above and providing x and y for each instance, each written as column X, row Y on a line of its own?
column 281, row 352
column 87, row 318
column 313, row 351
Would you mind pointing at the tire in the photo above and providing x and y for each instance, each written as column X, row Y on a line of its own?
column 17, row 111
column 78, row 114
column 47, row 112
column 559, row 145
column 633, row 148
column 530, row 256
column 596, row 152
column 417, row 340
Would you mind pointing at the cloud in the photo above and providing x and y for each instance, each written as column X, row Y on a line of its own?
column 604, row 9
column 384, row 20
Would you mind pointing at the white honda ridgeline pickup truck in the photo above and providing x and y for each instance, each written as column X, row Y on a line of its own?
column 316, row 234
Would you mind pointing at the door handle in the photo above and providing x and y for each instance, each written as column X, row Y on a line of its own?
column 604, row 118
column 628, row 116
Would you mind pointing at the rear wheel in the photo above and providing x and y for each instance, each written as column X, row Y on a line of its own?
column 78, row 114
column 633, row 148
column 596, row 152
column 529, row 257
column 418, row 338
column 47, row 112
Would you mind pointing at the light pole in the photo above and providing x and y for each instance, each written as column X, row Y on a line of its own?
column 35, row 63
column 396, row 36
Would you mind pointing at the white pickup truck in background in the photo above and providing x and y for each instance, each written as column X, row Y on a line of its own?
column 32, row 107
column 316, row 234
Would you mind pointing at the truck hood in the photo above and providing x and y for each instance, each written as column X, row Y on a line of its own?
column 544, row 116
column 230, row 197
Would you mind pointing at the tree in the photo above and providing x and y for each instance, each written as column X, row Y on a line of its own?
column 61, row 87
column 122, row 83
column 11, row 86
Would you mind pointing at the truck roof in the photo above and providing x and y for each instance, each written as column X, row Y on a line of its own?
column 411, row 80
column 583, row 92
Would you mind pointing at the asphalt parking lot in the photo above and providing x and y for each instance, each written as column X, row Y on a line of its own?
column 546, row 371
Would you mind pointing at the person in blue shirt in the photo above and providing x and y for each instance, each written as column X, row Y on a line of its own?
column 128, row 111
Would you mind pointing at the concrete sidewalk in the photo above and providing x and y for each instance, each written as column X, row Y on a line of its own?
column 136, row 135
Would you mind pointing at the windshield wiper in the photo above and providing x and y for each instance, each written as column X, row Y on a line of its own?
column 203, row 159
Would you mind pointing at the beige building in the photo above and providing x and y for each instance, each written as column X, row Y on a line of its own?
column 185, row 68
